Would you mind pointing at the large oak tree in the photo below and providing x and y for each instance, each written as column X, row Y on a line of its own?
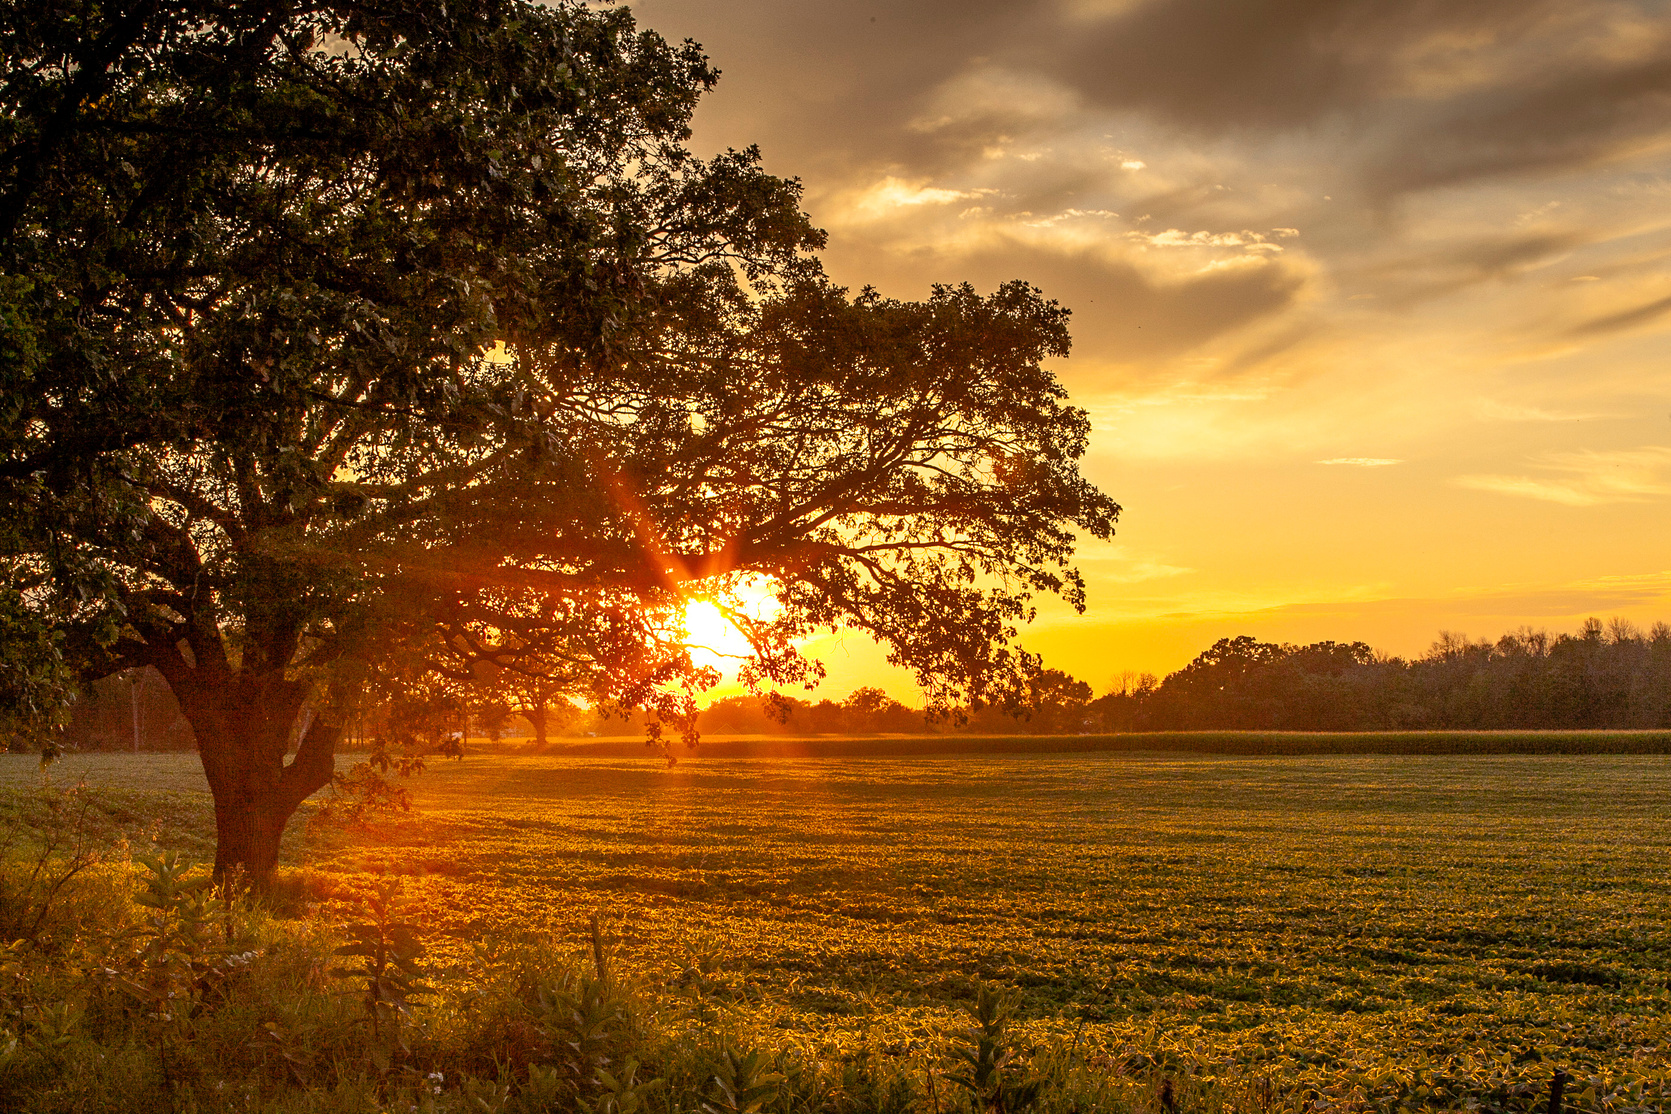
column 352, row 340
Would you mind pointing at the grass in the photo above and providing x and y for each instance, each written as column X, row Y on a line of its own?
column 1379, row 931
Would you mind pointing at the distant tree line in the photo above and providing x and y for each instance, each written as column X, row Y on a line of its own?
column 1606, row 675
column 1612, row 675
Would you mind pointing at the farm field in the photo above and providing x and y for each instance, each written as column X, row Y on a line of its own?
column 1400, row 930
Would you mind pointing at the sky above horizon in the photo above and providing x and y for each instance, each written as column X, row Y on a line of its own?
column 1371, row 302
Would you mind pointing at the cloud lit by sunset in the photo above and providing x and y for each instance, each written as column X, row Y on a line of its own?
column 1371, row 304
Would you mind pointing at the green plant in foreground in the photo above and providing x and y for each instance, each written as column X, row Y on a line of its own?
column 992, row 1073
column 744, row 1083
column 482, row 1097
column 181, row 941
column 585, row 1022
column 619, row 1092
column 389, row 952
column 51, row 1033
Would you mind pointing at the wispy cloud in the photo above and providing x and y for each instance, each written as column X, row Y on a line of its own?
column 1587, row 478
column 1492, row 410
column 1116, row 564
column 1246, row 239
column 1625, row 319
column 1362, row 461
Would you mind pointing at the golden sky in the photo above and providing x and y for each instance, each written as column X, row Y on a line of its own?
column 1372, row 301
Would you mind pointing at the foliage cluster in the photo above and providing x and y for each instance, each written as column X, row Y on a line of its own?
column 1047, row 702
column 1605, row 676
column 865, row 711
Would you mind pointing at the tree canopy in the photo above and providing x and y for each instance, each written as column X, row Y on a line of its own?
column 352, row 342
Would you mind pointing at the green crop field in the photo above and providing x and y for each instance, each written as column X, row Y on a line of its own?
column 1403, row 931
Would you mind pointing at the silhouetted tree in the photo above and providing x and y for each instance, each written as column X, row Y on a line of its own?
column 364, row 340
column 1051, row 703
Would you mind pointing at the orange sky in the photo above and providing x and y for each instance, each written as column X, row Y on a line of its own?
column 1372, row 304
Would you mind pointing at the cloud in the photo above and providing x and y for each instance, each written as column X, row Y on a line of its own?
column 1132, row 313
column 1116, row 564
column 1246, row 239
column 1624, row 319
column 1408, row 96
column 1362, row 461
column 887, row 197
column 1432, row 93
column 1435, row 270
column 1589, row 596
column 1133, row 156
column 1363, row 604
column 1211, row 65
column 1129, row 307
column 1587, row 478
column 833, row 90
column 1598, row 112
column 1492, row 410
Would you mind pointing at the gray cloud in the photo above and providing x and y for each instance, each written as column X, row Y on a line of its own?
column 1625, row 319
column 1120, row 309
column 1456, row 91
column 1571, row 122
column 1207, row 118
column 835, row 86
column 1211, row 65
column 1434, row 92
column 1215, row 64
column 1417, row 276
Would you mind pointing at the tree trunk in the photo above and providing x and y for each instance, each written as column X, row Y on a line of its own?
column 249, row 826
column 243, row 731
column 537, row 716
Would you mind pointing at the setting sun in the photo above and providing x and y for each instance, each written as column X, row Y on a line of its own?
column 712, row 637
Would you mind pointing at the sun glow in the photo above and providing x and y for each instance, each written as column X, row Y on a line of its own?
column 712, row 637
column 712, row 628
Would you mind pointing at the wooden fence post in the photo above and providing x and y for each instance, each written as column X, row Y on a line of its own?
column 1557, row 1085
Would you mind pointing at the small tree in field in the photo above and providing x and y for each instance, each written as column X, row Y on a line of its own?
column 541, row 699
column 360, row 339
